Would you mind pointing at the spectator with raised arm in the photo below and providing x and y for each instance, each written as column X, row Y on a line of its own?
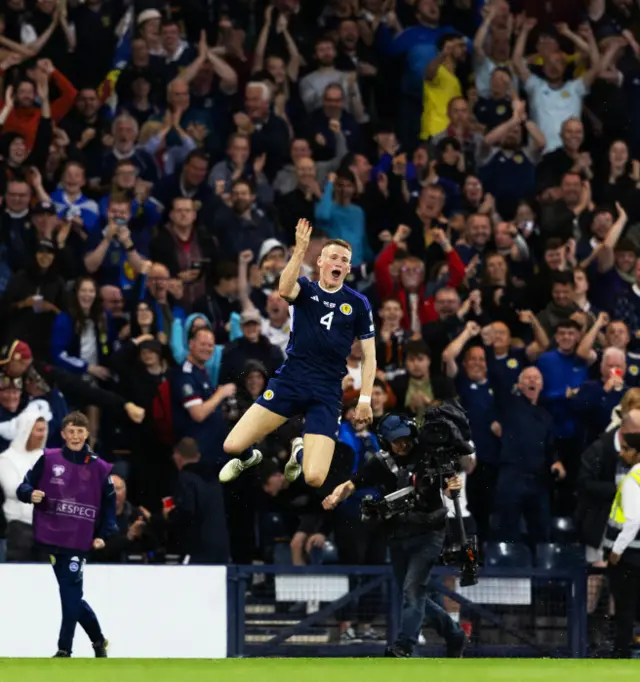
column 340, row 218
column 477, row 397
column 554, row 99
column 25, row 116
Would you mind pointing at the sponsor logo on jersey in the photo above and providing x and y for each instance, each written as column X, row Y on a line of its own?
column 315, row 298
column 58, row 469
column 346, row 309
column 329, row 304
column 268, row 394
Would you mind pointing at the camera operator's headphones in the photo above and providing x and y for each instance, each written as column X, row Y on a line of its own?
column 394, row 426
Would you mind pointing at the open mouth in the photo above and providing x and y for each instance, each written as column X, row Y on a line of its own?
column 335, row 273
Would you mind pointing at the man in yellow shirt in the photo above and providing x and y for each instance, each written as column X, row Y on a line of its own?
column 441, row 85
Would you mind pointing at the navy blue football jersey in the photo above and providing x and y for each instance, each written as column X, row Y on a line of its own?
column 324, row 326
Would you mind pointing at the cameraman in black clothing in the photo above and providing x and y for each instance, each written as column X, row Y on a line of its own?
column 416, row 537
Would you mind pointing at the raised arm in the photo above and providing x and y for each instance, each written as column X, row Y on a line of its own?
column 7, row 107
column 581, row 44
column 68, row 29
column 295, row 58
column 518, row 60
column 495, row 136
column 540, row 341
column 606, row 255
column 228, row 77
column 432, row 67
column 261, row 45
column 189, row 73
column 490, row 12
column 289, row 287
column 585, row 349
column 244, row 288
column 453, row 350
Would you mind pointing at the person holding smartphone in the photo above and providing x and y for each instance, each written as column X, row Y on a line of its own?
column 185, row 249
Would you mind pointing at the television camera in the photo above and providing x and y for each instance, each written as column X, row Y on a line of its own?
column 442, row 440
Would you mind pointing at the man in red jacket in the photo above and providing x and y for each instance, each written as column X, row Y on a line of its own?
column 408, row 283
column 25, row 116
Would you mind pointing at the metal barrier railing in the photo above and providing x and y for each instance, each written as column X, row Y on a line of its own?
column 293, row 611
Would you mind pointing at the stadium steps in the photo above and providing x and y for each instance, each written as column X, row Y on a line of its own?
column 265, row 618
column 296, row 639
column 277, row 621
column 259, row 609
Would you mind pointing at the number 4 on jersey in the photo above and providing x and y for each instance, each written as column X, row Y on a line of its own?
column 326, row 320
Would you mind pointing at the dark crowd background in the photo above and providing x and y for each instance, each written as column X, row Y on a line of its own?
column 482, row 160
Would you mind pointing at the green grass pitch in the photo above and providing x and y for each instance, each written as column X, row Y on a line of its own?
column 316, row 670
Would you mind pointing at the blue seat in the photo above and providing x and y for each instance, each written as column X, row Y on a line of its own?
column 506, row 555
column 551, row 555
column 563, row 530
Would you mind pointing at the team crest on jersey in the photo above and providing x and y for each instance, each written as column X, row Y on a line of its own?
column 512, row 363
column 633, row 370
column 268, row 394
column 346, row 309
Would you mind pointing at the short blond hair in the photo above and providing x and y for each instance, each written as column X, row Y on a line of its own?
column 338, row 242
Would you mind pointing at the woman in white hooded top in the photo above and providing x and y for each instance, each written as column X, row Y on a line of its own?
column 28, row 439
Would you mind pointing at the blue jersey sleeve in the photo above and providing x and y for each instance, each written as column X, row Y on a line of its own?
column 305, row 293
column 365, row 328
column 108, row 524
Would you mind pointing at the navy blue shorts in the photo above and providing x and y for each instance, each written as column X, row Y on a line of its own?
column 321, row 408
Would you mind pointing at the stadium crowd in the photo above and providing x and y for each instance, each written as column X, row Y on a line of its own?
column 482, row 161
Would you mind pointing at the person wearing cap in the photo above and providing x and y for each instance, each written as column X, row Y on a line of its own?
column 622, row 545
column 148, row 23
column 44, row 219
column 277, row 327
column 252, row 346
column 415, row 538
column 272, row 260
column 33, row 299
column 43, row 380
